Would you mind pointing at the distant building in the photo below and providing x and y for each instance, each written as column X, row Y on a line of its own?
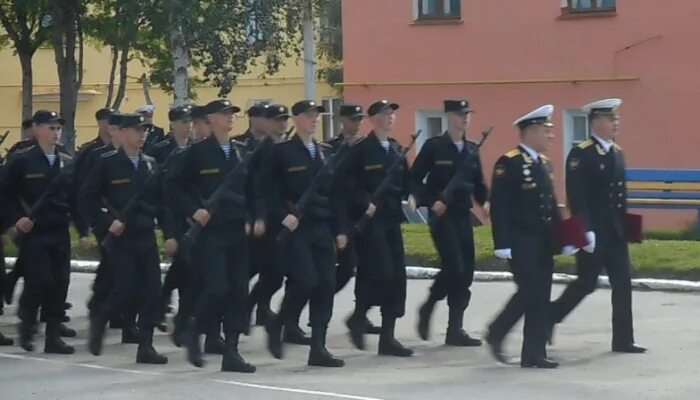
column 508, row 57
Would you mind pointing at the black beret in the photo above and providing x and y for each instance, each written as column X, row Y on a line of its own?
column 351, row 110
column 220, row 105
column 303, row 106
column 257, row 110
column 46, row 117
column 131, row 121
column 180, row 113
column 380, row 106
column 457, row 106
column 275, row 111
column 104, row 114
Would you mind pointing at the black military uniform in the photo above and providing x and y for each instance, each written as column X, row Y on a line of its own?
column 308, row 254
column 596, row 192
column 439, row 160
column 4, row 341
column 266, row 262
column 133, row 256
column 381, row 272
column 523, row 209
column 45, row 250
column 222, row 248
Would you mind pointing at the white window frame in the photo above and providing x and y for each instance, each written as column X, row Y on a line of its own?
column 568, row 131
column 422, row 124
column 332, row 114
column 447, row 6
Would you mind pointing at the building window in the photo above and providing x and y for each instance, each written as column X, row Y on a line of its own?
column 576, row 129
column 329, row 122
column 587, row 6
column 438, row 9
column 431, row 123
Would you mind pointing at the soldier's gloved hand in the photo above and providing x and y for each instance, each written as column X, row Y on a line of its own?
column 569, row 250
column 24, row 225
column 412, row 203
column 290, row 222
column 202, row 216
column 117, row 227
column 439, row 208
column 170, row 247
column 259, row 228
column 341, row 241
column 371, row 209
column 504, row 254
column 85, row 243
column 590, row 247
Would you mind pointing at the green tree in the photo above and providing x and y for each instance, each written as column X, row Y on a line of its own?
column 26, row 28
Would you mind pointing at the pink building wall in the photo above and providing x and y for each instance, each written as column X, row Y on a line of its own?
column 648, row 55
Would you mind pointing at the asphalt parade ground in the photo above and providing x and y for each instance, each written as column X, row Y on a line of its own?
column 667, row 323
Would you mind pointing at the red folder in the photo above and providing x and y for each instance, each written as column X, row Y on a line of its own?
column 570, row 232
column 633, row 228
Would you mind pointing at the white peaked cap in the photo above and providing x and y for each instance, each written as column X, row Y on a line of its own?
column 603, row 106
column 146, row 108
column 541, row 115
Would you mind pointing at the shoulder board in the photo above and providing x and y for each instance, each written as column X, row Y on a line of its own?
column 586, row 144
column 513, row 153
column 617, row 146
column 162, row 143
column 108, row 154
column 542, row 156
column 24, row 149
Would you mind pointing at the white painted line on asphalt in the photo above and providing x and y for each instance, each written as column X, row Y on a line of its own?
column 222, row 381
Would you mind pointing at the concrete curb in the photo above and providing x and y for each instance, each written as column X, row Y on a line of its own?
column 413, row 272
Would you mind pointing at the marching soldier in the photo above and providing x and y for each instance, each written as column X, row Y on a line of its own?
column 103, row 277
column 450, row 219
column 45, row 246
column 222, row 248
column 180, row 130
column 115, row 178
column 596, row 192
column 381, row 272
column 523, row 209
column 200, row 124
column 351, row 116
column 154, row 134
column 290, row 169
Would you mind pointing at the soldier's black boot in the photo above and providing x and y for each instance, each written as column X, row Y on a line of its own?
column 319, row 356
column 370, row 328
column 274, row 337
column 388, row 345
column 232, row 360
column 146, row 354
column 179, row 328
column 26, row 335
column 98, row 325
column 130, row 334
column 294, row 335
column 53, row 343
column 456, row 336
column 191, row 342
column 5, row 341
column 65, row 331
column 214, row 344
column 10, row 283
column 425, row 312
column 357, row 326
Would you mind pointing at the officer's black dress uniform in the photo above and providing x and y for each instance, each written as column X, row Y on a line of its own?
column 523, row 209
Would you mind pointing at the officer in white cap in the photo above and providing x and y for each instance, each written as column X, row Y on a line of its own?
column 523, row 209
column 154, row 134
column 595, row 187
